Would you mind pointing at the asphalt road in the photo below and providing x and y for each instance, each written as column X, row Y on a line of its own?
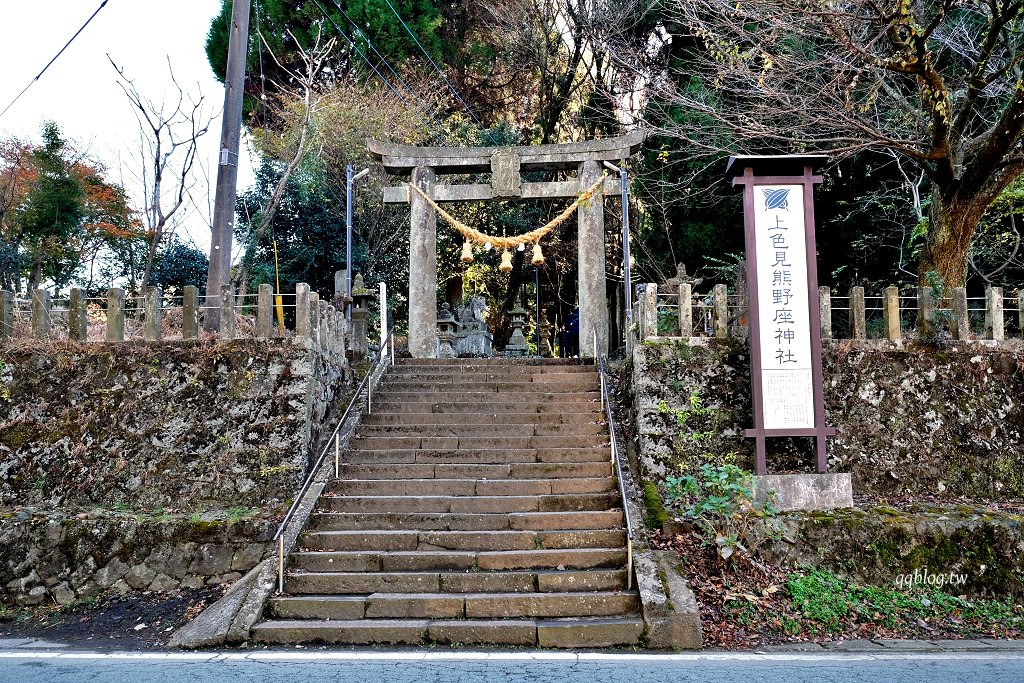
column 443, row 667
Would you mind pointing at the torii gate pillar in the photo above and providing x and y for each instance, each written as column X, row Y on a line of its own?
column 591, row 264
column 422, row 268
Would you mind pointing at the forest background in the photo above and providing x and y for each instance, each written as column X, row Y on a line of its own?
column 919, row 104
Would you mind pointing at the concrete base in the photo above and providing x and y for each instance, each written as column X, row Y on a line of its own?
column 806, row 491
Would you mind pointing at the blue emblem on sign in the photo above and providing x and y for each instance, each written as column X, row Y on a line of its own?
column 776, row 199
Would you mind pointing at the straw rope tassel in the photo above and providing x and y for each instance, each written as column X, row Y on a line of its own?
column 533, row 236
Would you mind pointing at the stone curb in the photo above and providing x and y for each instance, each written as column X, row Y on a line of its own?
column 880, row 646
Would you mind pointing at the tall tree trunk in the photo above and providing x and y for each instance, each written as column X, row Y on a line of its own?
column 953, row 219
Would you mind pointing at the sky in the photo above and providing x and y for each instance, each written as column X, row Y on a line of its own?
column 80, row 92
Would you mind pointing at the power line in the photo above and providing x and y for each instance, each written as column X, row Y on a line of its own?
column 438, row 69
column 370, row 64
column 401, row 80
column 50, row 63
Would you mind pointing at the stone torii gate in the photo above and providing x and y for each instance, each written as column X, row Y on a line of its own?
column 505, row 164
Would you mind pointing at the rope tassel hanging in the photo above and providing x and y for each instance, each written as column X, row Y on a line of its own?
column 538, row 255
column 506, row 262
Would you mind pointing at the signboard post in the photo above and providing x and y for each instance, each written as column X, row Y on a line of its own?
column 782, row 284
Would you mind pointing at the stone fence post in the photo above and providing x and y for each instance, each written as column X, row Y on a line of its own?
column 891, row 314
column 265, row 311
column 41, row 304
column 78, row 317
column 720, row 318
column 6, row 314
column 190, row 313
column 314, row 315
column 301, row 309
column 685, row 310
column 994, row 323
column 152, row 327
column 648, row 312
column 858, row 314
column 825, row 311
column 115, row 314
column 227, row 312
column 925, row 311
column 961, row 317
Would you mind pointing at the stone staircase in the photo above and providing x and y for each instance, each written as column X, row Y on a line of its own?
column 476, row 505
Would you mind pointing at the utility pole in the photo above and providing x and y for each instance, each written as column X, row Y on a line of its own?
column 227, row 169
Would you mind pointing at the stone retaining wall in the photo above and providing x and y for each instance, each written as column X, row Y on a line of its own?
column 60, row 558
column 178, row 425
column 942, row 421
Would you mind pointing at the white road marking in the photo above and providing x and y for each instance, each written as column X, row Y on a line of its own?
column 320, row 655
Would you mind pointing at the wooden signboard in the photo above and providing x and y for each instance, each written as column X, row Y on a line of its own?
column 782, row 282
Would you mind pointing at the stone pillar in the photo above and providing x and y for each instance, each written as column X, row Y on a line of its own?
column 720, row 315
column 961, row 318
column 341, row 284
column 78, row 317
column 301, row 309
column 925, row 311
column 590, row 267
column 422, row 269
column 858, row 314
column 152, row 329
column 41, row 314
column 314, row 316
column 891, row 314
column 115, row 314
column 227, row 312
column 265, row 311
column 648, row 314
column 825, row 311
column 1020, row 312
column 6, row 314
column 685, row 311
column 190, row 313
column 994, row 323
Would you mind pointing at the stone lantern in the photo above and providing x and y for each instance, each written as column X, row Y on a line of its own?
column 446, row 329
column 516, row 346
column 360, row 312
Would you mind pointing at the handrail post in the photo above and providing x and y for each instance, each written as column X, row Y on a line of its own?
column 337, row 454
column 280, row 563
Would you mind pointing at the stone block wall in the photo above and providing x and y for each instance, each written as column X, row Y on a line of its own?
column 60, row 558
column 911, row 419
column 184, row 425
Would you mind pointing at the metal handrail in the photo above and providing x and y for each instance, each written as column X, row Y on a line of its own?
column 606, row 403
column 383, row 357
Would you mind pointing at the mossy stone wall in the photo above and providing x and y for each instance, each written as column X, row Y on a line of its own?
column 910, row 419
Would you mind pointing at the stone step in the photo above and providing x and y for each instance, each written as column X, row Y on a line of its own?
column 493, row 409
column 470, row 503
column 548, row 418
column 528, row 470
column 413, row 561
column 469, row 487
column 505, row 398
column 475, row 541
column 449, row 521
column 448, row 606
column 540, row 581
column 481, row 456
column 537, row 364
column 462, row 386
column 529, row 381
column 495, row 430
column 509, row 440
column 555, row 633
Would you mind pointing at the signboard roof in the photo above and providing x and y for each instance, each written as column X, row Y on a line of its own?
column 774, row 165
